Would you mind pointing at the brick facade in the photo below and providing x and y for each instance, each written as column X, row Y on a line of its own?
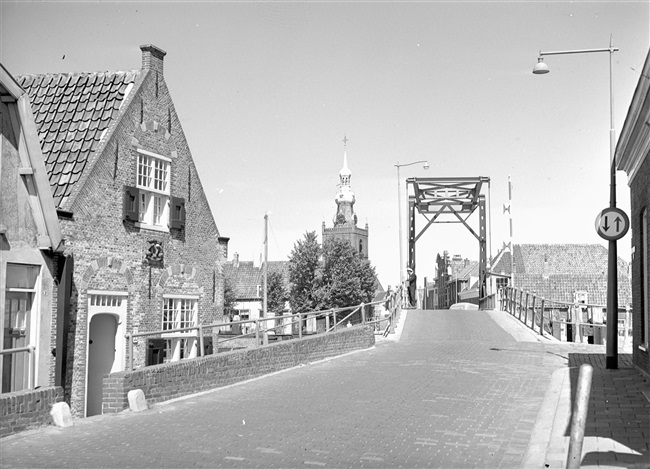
column 22, row 410
column 109, row 249
column 640, row 200
column 171, row 380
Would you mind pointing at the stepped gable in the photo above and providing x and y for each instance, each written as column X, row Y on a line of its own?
column 72, row 112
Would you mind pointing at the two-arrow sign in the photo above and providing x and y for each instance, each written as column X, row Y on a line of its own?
column 619, row 227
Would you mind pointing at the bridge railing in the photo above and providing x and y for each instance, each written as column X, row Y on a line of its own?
column 569, row 322
column 260, row 332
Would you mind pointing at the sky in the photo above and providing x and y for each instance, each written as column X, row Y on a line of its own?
column 267, row 91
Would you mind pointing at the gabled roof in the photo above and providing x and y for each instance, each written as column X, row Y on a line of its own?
column 31, row 161
column 246, row 276
column 72, row 112
column 556, row 271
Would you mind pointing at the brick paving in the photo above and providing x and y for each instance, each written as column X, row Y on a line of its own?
column 456, row 391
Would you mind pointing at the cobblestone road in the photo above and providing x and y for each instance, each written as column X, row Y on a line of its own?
column 455, row 391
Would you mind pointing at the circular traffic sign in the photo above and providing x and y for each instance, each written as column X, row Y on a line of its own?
column 612, row 224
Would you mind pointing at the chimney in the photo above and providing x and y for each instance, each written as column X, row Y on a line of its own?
column 152, row 58
column 235, row 260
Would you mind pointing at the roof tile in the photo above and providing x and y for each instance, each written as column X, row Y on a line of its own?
column 71, row 111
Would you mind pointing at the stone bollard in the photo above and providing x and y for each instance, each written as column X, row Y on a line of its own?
column 137, row 401
column 61, row 414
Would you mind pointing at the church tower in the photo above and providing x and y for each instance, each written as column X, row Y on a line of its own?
column 345, row 220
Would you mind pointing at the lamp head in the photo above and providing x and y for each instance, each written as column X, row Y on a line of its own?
column 426, row 165
column 540, row 67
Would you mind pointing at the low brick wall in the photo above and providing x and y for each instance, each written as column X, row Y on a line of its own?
column 171, row 380
column 22, row 410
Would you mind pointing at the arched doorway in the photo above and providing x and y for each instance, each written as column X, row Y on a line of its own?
column 101, row 356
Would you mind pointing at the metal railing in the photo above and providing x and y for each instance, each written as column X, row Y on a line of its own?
column 557, row 318
column 32, row 361
column 334, row 318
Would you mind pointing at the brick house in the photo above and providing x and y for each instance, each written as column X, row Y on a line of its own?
column 246, row 280
column 632, row 157
column 142, row 249
column 30, row 241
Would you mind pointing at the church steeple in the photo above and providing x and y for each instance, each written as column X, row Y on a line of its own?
column 345, row 198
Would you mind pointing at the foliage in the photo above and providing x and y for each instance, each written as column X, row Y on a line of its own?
column 303, row 267
column 229, row 295
column 344, row 277
column 276, row 292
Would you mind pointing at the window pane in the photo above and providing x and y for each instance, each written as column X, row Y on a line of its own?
column 22, row 276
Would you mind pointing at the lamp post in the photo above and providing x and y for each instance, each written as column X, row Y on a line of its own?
column 612, row 268
column 399, row 208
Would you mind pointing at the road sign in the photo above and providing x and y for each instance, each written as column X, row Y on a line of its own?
column 612, row 224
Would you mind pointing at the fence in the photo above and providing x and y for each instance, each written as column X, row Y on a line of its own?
column 31, row 350
column 571, row 322
column 332, row 318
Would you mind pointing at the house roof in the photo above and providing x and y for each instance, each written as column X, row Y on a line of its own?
column 246, row 277
column 72, row 112
column 31, row 160
column 556, row 271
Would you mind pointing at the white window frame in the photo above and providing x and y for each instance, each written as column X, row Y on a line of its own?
column 153, row 182
column 180, row 345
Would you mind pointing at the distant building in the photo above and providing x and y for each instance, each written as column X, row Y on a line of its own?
column 557, row 271
column 345, row 220
column 246, row 280
column 456, row 281
column 632, row 157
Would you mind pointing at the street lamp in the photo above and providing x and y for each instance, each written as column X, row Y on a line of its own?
column 612, row 269
column 399, row 207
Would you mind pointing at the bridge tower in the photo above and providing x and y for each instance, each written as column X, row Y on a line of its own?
column 449, row 200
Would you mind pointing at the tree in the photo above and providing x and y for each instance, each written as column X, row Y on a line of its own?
column 276, row 292
column 347, row 278
column 343, row 278
column 303, row 269
column 229, row 295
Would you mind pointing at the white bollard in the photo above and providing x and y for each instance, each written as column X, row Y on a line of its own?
column 137, row 401
column 61, row 414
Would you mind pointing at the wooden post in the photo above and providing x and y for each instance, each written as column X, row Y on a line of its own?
column 526, row 310
column 541, row 320
column 129, row 338
column 579, row 418
column 363, row 313
column 300, row 325
column 532, row 324
column 202, row 352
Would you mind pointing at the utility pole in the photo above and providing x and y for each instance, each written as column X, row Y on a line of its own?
column 264, row 264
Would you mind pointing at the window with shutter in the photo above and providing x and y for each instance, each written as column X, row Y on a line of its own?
column 153, row 184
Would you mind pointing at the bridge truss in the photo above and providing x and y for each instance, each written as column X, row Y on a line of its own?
column 449, row 200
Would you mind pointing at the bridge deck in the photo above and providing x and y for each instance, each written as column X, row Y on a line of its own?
column 456, row 391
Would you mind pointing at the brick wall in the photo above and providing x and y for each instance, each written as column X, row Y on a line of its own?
column 171, row 380
column 22, row 410
column 109, row 253
column 640, row 198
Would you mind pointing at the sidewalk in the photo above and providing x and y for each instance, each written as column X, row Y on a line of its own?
column 617, row 431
